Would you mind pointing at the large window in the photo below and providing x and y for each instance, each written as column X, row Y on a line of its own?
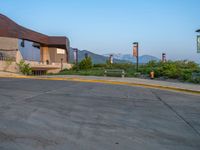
column 60, row 51
column 29, row 50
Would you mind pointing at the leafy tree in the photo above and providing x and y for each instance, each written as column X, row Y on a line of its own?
column 86, row 64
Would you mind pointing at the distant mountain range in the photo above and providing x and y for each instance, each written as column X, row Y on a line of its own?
column 118, row 58
column 128, row 57
column 96, row 58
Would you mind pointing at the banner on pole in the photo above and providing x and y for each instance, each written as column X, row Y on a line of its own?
column 75, row 55
column 135, row 51
column 198, row 44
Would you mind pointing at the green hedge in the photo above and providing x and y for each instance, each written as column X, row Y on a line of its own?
column 180, row 70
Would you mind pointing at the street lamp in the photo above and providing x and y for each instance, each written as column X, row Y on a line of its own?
column 75, row 55
column 136, row 53
column 198, row 41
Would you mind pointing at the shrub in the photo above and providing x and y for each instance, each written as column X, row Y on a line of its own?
column 24, row 68
column 125, row 66
column 86, row 63
column 181, row 70
column 170, row 70
column 99, row 66
column 75, row 67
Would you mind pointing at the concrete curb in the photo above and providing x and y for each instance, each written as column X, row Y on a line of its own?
column 76, row 79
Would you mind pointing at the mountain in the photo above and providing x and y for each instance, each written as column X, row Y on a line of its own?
column 118, row 58
column 128, row 57
column 147, row 58
column 96, row 58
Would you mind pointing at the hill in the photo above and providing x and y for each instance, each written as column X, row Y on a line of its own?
column 96, row 58
column 118, row 58
column 128, row 57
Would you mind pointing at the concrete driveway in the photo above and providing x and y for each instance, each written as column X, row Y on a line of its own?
column 62, row 115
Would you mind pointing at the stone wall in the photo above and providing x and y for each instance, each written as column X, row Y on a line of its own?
column 9, row 66
column 8, row 43
column 8, row 54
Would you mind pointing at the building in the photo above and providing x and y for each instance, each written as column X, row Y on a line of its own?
column 43, row 53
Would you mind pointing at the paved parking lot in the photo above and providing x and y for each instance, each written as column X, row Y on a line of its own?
column 60, row 115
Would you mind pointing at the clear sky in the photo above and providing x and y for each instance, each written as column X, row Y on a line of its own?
column 110, row 26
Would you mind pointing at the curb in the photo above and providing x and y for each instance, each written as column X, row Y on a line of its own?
column 152, row 86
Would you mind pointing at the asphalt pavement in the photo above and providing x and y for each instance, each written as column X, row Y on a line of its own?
column 62, row 115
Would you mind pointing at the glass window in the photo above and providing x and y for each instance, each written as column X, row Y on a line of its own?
column 31, row 51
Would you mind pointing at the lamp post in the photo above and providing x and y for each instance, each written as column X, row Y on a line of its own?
column 111, row 59
column 136, row 53
column 198, row 41
column 61, row 60
column 164, row 59
column 75, row 56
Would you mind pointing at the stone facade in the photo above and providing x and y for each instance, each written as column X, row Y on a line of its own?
column 9, row 66
column 8, row 43
column 42, row 51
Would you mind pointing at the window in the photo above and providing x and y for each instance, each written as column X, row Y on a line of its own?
column 60, row 51
column 22, row 43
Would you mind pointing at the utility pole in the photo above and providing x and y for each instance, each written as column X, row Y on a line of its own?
column 136, row 53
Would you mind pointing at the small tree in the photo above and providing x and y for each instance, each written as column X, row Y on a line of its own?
column 86, row 63
column 24, row 68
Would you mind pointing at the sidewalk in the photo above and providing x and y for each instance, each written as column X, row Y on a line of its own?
column 134, row 81
column 174, row 86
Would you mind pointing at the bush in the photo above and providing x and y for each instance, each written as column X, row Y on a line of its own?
column 24, row 68
column 99, row 65
column 195, row 80
column 86, row 64
column 74, row 67
column 180, row 70
column 170, row 70
column 125, row 66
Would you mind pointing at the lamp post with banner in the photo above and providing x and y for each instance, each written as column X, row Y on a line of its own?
column 136, row 53
column 164, row 58
column 111, row 59
column 198, row 41
column 75, row 56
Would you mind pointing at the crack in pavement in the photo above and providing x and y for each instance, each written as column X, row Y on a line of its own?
column 177, row 114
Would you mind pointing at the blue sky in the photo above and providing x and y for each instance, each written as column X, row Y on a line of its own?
column 110, row 26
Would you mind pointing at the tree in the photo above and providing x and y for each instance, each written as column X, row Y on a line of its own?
column 86, row 64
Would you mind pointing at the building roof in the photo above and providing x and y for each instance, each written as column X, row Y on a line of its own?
column 9, row 28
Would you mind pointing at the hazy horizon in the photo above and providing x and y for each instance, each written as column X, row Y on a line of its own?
column 112, row 26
